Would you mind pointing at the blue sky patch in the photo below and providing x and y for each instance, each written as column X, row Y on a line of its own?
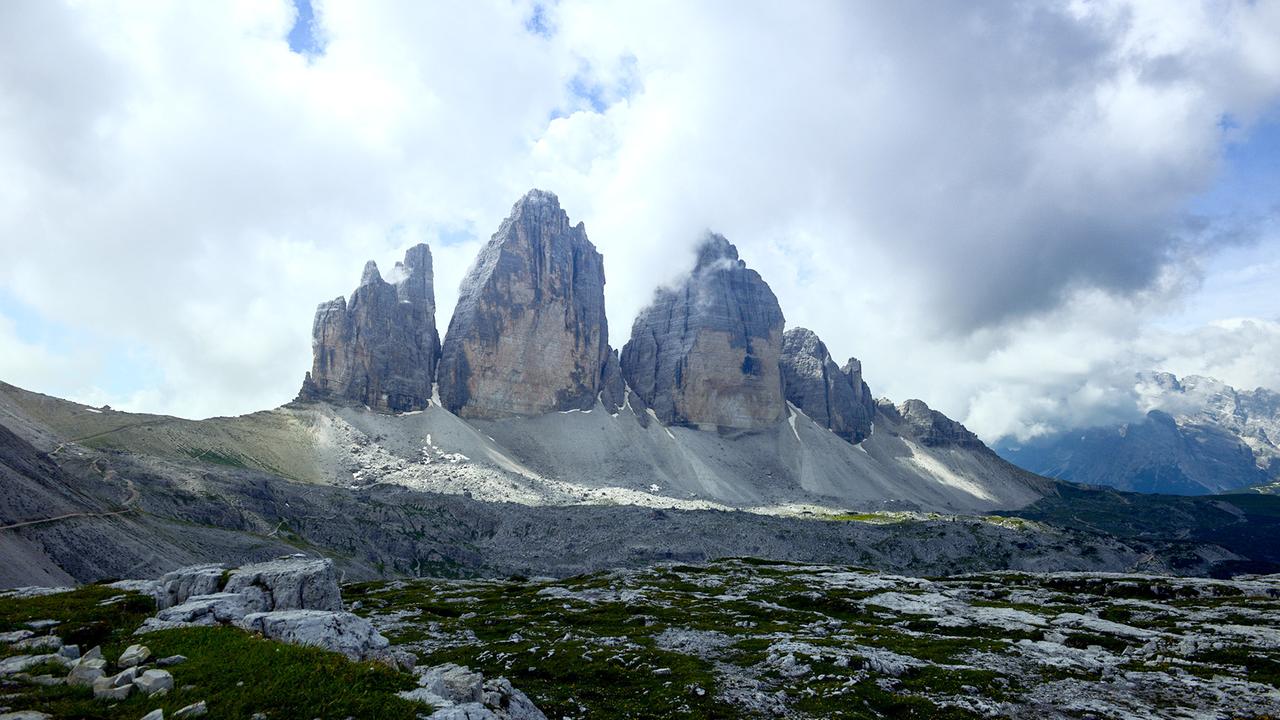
column 302, row 38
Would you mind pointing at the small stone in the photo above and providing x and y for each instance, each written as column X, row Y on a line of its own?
column 46, row 680
column 157, row 714
column 94, row 654
column 71, row 652
column 43, row 624
column 25, row 715
column 171, row 660
column 134, row 655
column 153, row 682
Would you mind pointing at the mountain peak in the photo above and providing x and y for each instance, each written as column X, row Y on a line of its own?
column 370, row 276
column 714, row 248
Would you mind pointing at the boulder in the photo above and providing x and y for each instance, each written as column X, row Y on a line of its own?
column 454, row 683
column 508, row 702
column 705, row 353
column 342, row 632
column 467, row 711
column 21, row 663
column 115, row 687
column 835, row 398
column 46, row 643
column 381, row 348
column 464, row 693
column 25, row 715
column 218, row 608
column 153, row 682
column 134, row 655
column 292, row 583
column 174, row 588
column 528, row 334
column 14, row 636
column 86, row 671
column 157, row 714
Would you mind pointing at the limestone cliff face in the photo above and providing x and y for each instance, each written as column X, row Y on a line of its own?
column 381, row 348
column 834, row 397
column 929, row 427
column 706, row 353
column 529, row 333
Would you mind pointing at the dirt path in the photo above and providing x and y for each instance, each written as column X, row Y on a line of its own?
column 128, row 508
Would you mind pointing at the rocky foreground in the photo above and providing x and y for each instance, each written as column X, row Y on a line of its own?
column 734, row 638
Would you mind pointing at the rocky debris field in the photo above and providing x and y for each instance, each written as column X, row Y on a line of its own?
column 302, row 656
column 743, row 638
column 737, row 638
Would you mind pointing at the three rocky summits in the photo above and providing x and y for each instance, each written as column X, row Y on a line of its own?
column 529, row 336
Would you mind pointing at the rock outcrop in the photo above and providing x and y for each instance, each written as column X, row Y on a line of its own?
column 381, row 348
column 927, row 426
column 529, row 334
column 834, row 397
column 706, row 352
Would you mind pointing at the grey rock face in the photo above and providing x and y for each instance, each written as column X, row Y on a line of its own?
column 296, row 583
column 529, row 334
column 834, row 397
column 706, row 353
column 929, row 427
column 342, row 632
column 175, row 587
column 381, row 348
column 613, row 389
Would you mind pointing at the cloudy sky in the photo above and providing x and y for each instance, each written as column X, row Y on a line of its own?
column 1006, row 209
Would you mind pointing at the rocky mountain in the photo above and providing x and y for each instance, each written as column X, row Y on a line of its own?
column 379, row 349
column 706, row 352
column 1199, row 436
column 930, row 427
column 529, row 333
column 834, row 397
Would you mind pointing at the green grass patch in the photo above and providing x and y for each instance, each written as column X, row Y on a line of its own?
column 239, row 674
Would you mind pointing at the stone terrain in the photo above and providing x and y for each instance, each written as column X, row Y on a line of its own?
column 736, row 638
column 1199, row 436
column 379, row 349
column 294, row 600
column 529, row 333
column 744, row 638
column 705, row 353
column 834, row 397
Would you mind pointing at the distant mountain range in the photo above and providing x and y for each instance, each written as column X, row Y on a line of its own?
column 1200, row 436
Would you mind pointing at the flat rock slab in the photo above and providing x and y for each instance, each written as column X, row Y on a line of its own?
column 342, row 632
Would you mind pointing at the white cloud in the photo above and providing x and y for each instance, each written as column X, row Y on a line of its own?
column 986, row 204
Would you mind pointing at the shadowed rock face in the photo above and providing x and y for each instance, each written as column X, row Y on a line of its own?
column 529, row 334
column 381, row 348
column 706, row 353
column 834, row 397
column 930, row 427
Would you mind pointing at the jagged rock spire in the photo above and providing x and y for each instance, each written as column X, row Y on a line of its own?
column 834, row 397
column 380, row 349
